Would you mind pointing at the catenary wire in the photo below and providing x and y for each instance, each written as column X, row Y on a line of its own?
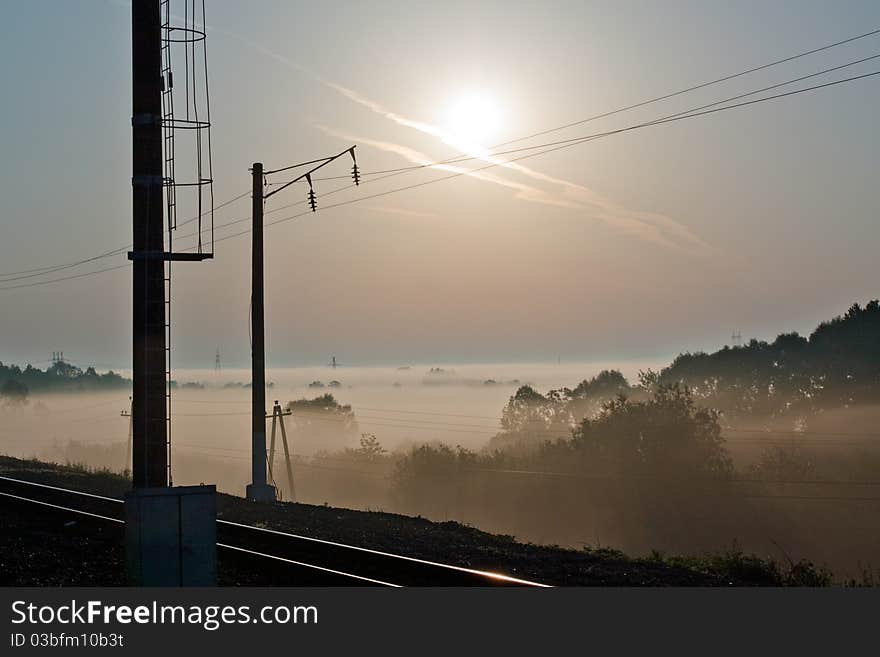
column 554, row 146
column 52, row 268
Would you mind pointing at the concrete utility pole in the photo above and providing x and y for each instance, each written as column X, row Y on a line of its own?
column 170, row 533
column 149, row 435
column 258, row 490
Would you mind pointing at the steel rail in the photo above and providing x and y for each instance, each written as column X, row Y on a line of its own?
column 499, row 577
column 221, row 545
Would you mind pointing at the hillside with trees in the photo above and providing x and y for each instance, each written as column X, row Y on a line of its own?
column 61, row 376
column 837, row 365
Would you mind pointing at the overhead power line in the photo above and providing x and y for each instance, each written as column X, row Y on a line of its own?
column 567, row 143
column 54, row 268
column 467, row 158
column 496, row 418
column 547, row 148
column 234, row 454
column 64, row 278
column 228, row 452
column 4, row 278
column 756, row 436
column 696, row 87
column 777, row 437
column 42, row 271
column 554, row 146
column 9, row 277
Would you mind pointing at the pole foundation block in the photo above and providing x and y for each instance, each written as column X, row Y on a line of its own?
column 171, row 536
column 260, row 492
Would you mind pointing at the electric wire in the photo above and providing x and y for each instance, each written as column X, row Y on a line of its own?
column 465, row 158
column 555, row 146
column 567, row 143
column 702, row 85
column 41, row 271
column 753, row 435
column 692, row 113
column 795, row 432
column 52, row 268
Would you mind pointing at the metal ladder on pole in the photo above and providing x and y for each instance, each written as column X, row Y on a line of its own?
column 168, row 183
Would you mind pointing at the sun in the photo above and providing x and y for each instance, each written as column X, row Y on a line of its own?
column 473, row 118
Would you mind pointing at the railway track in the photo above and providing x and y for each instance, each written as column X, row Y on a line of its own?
column 291, row 558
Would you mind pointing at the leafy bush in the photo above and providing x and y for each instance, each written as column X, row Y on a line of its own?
column 667, row 434
column 736, row 566
column 784, row 463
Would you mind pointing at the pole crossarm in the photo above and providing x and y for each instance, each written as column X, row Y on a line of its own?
column 297, row 166
column 167, row 256
column 323, row 162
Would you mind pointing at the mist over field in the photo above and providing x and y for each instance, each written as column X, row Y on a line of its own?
column 480, row 444
column 404, row 405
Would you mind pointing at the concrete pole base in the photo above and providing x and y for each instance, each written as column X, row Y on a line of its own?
column 171, row 536
column 260, row 493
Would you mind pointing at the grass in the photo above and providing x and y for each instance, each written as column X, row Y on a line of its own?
column 453, row 542
column 737, row 566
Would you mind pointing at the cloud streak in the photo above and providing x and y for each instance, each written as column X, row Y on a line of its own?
column 649, row 226
column 523, row 191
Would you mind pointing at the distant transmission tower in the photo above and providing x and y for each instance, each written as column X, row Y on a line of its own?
column 736, row 339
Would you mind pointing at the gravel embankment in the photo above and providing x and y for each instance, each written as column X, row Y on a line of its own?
column 36, row 548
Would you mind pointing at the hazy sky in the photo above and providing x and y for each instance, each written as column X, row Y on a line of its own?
column 637, row 245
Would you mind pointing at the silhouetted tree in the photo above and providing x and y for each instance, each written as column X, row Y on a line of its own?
column 838, row 365
column 370, row 448
column 13, row 393
column 530, row 418
column 784, row 463
column 62, row 376
column 667, row 434
column 322, row 423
